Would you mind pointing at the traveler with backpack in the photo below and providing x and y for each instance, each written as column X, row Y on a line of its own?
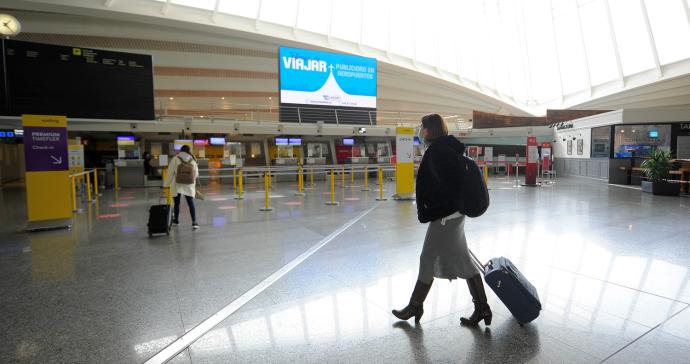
column 439, row 190
column 182, row 173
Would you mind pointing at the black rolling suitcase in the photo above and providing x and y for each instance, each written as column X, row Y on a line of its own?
column 514, row 290
column 159, row 220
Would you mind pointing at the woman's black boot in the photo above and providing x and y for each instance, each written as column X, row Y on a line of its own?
column 481, row 307
column 416, row 306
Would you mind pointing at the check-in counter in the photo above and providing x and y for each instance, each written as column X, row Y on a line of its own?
column 286, row 162
column 358, row 160
column 315, row 161
column 131, row 172
column 203, row 171
column 230, row 163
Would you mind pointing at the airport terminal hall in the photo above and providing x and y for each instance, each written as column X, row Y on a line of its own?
column 324, row 181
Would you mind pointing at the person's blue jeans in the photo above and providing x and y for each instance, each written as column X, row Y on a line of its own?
column 190, row 203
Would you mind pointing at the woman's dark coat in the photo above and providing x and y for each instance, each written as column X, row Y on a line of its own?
column 439, row 179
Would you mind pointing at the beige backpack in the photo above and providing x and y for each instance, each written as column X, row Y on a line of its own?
column 185, row 173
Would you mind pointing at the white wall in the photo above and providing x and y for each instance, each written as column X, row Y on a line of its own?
column 560, row 147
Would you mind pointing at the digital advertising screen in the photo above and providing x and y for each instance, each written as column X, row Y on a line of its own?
column 309, row 77
column 319, row 83
column 348, row 141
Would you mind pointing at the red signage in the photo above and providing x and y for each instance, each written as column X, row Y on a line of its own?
column 531, row 163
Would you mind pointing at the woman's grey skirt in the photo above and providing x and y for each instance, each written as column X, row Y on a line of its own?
column 445, row 253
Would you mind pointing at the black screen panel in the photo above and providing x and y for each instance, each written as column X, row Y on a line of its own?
column 78, row 82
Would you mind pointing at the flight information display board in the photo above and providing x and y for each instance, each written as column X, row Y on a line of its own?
column 77, row 82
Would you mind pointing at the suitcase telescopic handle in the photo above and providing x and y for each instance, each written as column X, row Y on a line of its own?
column 477, row 263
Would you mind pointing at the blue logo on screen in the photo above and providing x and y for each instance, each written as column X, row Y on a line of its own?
column 332, row 78
column 2, row 134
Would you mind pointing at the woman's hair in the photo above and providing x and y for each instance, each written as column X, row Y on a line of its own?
column 185, row 148
column 435, row 124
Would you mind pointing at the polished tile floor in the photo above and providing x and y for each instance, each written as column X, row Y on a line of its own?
column 610, row 263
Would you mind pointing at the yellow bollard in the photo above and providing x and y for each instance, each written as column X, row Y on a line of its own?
column 267, row 183
column 300, row 182
column 240, row 194
column 486, row 175
column 95, row 182
column 366, row 179
column 270, row 179
column 352, row 176
column 74, row 194
column 332, row 202
column 381, row 198
column 342, row 176
column 88, row 186
column 166, row 191
column 311, row 177
column 117, row 179
column 234, row 180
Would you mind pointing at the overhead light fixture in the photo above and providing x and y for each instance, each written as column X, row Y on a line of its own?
column 172, row 98
column 222, row 97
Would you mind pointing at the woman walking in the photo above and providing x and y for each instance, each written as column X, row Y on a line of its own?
column 445, row 254
column 182, row 173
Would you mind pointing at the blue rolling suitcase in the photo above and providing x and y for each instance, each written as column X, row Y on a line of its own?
column 514, row 290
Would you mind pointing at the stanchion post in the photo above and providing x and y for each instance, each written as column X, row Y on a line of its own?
column 486, row 175
column 311, row 177
column 240, row 184
column 95, row 182
column 88, row 186
column 381, row 198
column 270, row 182
column 366, row 179
column 342, row 176
column 332, row 202
column 300, row 182
column 234, row 181
column 267, row 185
column 117, row 178
column 74, row 193
column 352, row 176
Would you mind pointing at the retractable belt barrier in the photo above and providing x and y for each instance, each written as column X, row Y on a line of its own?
column 84, row 178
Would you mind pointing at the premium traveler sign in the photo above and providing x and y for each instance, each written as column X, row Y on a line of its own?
column 45, row 147
column 48, row 196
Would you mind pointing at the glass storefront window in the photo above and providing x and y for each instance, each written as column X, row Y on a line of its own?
column 640, row 140
column 601, row 142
